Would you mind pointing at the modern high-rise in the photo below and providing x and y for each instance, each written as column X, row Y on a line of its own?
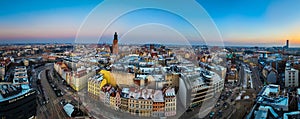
column 115, row 47
column 286, row 45
column 291, row 76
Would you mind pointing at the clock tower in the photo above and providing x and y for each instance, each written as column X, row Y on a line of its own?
column 115, row 47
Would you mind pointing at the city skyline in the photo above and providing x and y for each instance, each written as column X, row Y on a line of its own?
column 252, row 23
column 132, row 59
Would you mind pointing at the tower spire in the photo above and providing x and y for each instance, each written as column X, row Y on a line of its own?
column 115, row 47
column 116, row 36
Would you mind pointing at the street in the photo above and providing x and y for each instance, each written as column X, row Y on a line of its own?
column 52, row 109
column 256, row 79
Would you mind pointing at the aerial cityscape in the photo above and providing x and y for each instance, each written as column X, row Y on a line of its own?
column 202, row 59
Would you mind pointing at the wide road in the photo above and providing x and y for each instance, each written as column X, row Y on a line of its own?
column 53, row 104
column 242, row 76
column 255, row 75
column 256, row 79
column 51, row 110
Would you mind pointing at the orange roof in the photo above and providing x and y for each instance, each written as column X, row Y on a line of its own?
column 59, row 63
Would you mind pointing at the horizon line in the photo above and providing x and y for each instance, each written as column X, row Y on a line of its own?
column 130, row 44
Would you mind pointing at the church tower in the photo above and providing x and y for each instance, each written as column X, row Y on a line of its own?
column 115, row 47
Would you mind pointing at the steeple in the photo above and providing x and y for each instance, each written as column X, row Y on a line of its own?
column 116, row 36
column 115, row 47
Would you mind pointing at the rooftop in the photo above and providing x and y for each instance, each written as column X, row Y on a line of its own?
column 125, row 92
column 20, row 68
column 19, row 86
column 277, row 101
column 268, row 68
column 69, row 109
column 291, row 115
column 170, row 92
column 269, row 89
column 10, row 91
column 158, row 96
column 98, row 77
column 263, row 111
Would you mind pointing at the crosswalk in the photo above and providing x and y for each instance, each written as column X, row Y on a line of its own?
column 43, row 108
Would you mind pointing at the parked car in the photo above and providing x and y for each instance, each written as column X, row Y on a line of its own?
column 64, row 82
column 211, row 114
column 220, row 113
column 63, row 102
column 53, row 85
column 58, row 93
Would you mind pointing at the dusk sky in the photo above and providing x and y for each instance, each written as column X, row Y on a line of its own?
column 240, row 22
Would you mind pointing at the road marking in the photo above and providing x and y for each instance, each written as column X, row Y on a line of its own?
column 43, row 108
column 39, row 75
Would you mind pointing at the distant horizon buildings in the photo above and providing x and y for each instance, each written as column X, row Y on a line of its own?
column 122, row 42
column 106, row 39
column 286, row 45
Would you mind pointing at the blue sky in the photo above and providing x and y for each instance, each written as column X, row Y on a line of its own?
column 240, row 22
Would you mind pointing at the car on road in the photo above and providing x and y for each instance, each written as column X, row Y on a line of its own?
column 40, row 100
column 225, row 104
column 217, row 105
column 45, row 100
column 189, row 110
column 50, row 80
column 38, row 92
column 64, row 82
column 232, row 99
column 58, row 93
column 211, row 114
column 63, row 102
column 220, row 113
column 55, row 89
column 53, row 85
